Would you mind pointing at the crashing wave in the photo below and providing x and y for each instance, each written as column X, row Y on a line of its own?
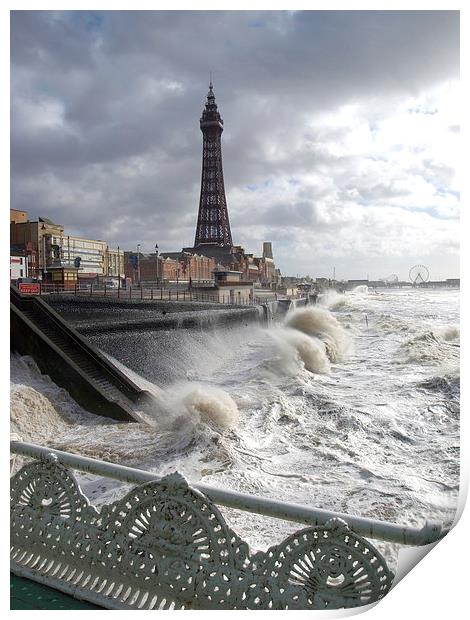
column 333, row 300
column 320, row 323
column 211, row 405
column 295, row 346
column 429, row 347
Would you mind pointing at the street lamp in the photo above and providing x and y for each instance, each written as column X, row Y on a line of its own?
column 177, row 282
column 156, row 260
column 138, row 264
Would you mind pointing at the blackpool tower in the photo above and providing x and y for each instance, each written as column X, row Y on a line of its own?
column 213, row 236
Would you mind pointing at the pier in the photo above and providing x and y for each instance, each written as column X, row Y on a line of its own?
column 165, row 545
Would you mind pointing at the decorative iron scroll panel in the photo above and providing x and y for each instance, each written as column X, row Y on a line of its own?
column 167, row 546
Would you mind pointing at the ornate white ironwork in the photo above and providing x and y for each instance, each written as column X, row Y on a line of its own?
column 165, row 545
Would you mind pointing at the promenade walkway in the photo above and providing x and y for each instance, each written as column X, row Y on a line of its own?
column 27, row 594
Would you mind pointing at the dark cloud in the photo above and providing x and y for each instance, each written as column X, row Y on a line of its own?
column 106, row 105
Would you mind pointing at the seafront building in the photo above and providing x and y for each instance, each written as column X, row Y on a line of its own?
column 159, row 269
column 18, row 263
column 17, row 216
column 52, row 255
column 191, row 267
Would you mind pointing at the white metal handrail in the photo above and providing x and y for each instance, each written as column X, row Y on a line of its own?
column 370, row 528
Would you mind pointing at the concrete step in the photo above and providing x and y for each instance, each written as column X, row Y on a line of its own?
column 95, row 372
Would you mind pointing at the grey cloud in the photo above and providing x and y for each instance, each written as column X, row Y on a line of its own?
column 51, row 40
column 132, row 86
column 381, row 192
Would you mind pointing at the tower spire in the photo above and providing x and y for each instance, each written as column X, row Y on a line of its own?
column 213, row 225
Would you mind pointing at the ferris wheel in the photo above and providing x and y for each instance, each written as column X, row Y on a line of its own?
column 418, row 274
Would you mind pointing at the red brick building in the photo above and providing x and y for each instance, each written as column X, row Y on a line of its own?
column 169, row 269
column 191, row 267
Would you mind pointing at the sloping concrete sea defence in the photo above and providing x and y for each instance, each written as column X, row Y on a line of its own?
column 149, row 336
column 98, row 316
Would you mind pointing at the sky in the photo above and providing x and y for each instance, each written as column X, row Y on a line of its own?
column 340, row 144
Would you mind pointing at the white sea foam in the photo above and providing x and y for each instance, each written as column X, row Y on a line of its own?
column 297, row 348
column 172, row 404
column 361, row 289
column 319, row 322
column 376, row 438
column 32, row 415
column 431, row 347
column 184, row 405
column 332, row 300
column 39, row 409
column 449, row 333
column 393, row 323
column 312, row 338
column 210, row 404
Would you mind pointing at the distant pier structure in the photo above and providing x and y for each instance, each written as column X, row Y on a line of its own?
column 448, row 283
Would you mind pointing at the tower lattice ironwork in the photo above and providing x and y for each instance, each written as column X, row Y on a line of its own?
column 213, row 226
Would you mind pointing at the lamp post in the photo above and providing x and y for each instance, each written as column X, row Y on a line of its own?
column 138, row 264
column 44, row 255
column 156, row 254
column 177, row 282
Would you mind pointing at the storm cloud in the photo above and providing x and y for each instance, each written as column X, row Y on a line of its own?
column 340, row 140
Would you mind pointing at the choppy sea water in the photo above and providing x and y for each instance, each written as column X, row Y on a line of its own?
column 352, row 405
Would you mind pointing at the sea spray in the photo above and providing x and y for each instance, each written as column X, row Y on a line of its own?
column 211, row 405
column 319, row 322
column 361, row 289
column 432, row 347
column 186, row 404
column 393, row 324
column 32, row 415
column 295, row 346
column 449, row 333
column 39, row 409
column 332, row 300
column 173, row 404
column 448, row 384
column 330, row 430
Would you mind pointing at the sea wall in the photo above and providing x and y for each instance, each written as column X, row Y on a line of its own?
column 280, row 307
column 72, row 307
column 101, row 315
column 27, row 339
column 95, row 316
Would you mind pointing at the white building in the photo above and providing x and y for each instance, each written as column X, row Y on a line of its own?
column 96, row 257
column 18, row 266
column 90, row 252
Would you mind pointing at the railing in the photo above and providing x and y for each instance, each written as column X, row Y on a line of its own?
column 166, row 545
column 150, row 293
